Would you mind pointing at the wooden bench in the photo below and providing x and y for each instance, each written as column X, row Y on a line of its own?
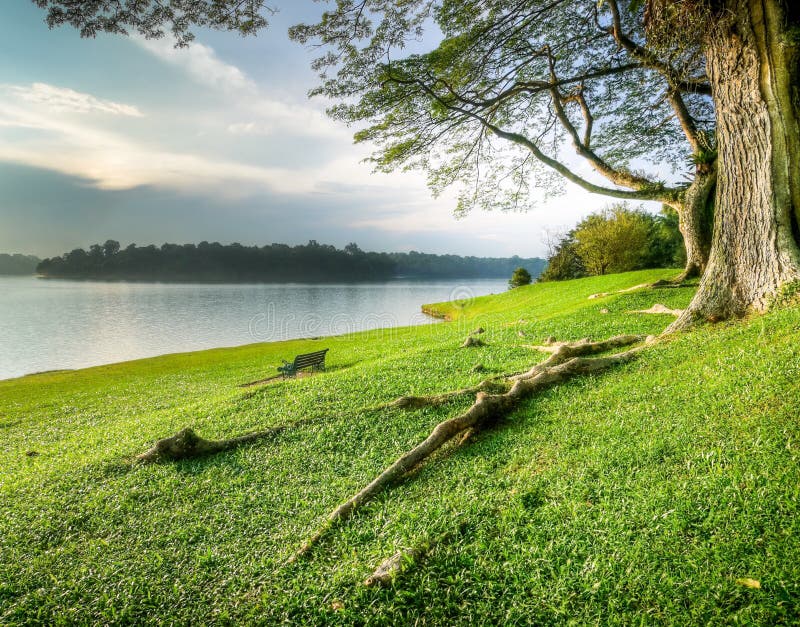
column 316, row 361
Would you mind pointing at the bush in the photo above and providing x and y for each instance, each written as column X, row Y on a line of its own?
column 520, row 277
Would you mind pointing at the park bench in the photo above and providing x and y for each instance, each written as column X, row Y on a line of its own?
column 316, row 361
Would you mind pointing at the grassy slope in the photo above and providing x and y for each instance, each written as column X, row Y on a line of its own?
column 638, row 496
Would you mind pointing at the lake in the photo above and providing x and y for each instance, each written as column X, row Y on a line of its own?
column 59, row 324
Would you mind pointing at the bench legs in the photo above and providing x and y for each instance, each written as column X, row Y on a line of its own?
column 288, row 369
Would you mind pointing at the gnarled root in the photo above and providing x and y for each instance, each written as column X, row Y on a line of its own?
column 641, row 286
column 434, row 400
column 186, row 444
column 563, row 351
column 566, row 361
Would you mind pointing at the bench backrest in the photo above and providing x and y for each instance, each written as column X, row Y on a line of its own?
column 309, row 359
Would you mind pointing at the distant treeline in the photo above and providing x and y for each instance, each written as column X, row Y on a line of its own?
column 273, row 263
column 18, row 264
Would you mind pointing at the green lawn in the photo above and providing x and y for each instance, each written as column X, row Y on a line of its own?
column 644, row 495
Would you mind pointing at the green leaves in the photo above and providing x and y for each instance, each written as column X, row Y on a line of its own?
column 466, row 91
column 154, row 19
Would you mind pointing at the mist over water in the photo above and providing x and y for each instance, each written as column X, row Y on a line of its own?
column 57, row 324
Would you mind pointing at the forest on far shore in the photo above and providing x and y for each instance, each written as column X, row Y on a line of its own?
column 273, row 263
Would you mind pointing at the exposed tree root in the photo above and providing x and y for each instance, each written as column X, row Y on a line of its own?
column 567, row 360
column 473, row 341
column 664, row 283
column 658, row 308
column 563, row 351
column 186, row 444
column 393, row 566
column 659, row 283
column 434, row 400
column 402, row 561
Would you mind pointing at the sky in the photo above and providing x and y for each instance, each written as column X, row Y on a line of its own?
column 133, row 140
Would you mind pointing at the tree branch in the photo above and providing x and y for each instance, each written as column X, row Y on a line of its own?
column 658, row 193
column 648, row 58
column 616, row 176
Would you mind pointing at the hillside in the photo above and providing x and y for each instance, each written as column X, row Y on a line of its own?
column 662, row 491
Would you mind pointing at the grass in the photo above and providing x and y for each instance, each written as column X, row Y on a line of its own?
column 651, row 494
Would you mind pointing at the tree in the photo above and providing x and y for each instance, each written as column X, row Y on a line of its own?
column 110, row 248
column 563, row 262
column 752, row 52
column 615, row 240
column 510, row 83
column 519, row 278
column 666, row 247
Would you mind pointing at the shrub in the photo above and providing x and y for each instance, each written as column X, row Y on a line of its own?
column 520, row 277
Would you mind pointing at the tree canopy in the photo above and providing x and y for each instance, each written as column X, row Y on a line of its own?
column 150, row 18
column 510, row 84
column 616, row 239
column 519, row 278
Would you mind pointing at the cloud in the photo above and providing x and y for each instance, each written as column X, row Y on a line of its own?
column 253, row 112
column 46, row 138
column 251, row 128
column 39, row 135
column 200, row 62
column 63, row 99
column 250, row 142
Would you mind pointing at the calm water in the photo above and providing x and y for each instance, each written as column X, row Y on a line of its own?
column 54, row 324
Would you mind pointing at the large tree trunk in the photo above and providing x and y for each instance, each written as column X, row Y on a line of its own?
column 752, row 59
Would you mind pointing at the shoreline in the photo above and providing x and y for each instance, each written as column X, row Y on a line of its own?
column 62, row 325
column 230, row 347
column 230, row 281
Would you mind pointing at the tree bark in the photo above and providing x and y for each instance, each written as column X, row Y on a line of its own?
column 752, row 61
column 694, row 222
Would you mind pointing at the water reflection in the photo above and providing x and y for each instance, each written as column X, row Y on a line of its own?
column 47, row 325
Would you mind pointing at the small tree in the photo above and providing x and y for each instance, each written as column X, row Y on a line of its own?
column 520, row 277
column 614, row 240
column 563, row 261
